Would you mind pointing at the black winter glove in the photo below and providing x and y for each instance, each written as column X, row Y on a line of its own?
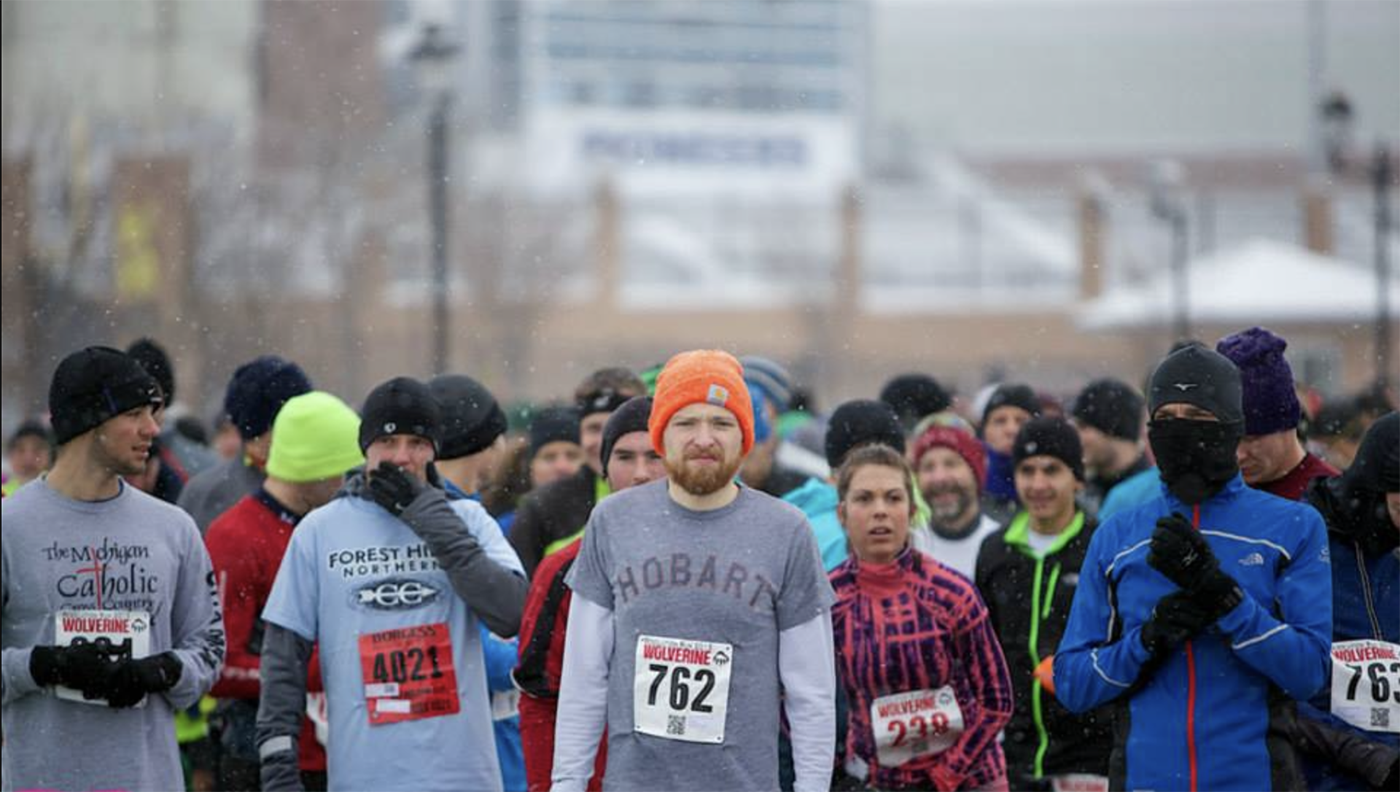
column 1175, row 618
column 85, row 667
column 1392, row 778
column 1183, row 555
column 393, row 488
column 133, row 679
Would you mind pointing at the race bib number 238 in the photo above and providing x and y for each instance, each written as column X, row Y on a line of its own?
column 681, row 689
column 915, row 724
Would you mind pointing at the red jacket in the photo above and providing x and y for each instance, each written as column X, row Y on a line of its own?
column 246, row 545
column 1293, row 485
column 541, row 664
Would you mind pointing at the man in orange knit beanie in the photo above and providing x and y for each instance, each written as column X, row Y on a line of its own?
column 696, row 601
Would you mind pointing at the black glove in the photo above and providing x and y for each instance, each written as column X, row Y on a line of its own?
column 1393, row 776
column 1175, row 618
column 394, row 489
column 133, row 679
column 1183, row 555
column 85, row 667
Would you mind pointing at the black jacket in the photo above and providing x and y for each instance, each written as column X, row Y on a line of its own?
column 1008, row 574
column 555, row 511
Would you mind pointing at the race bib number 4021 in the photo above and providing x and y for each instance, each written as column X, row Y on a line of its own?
column 681, row 690
column 1366, row 684
column 914, row 724
column 408, row 674
column 122, row 634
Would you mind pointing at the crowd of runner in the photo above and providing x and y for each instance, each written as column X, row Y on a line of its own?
column 691, row 578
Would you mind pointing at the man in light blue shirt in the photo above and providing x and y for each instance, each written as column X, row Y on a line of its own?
column 393, row 580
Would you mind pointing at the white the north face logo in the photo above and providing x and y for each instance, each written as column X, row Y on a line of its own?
column 717, row 395
column 1253, row 559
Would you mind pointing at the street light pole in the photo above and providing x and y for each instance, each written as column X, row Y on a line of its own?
column 1165, row 184
column 434, row 54
column 1381, row 174
column 437, row 202
column 1181, row 324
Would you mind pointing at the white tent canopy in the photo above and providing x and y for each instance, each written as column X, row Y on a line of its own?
column 1260, row 281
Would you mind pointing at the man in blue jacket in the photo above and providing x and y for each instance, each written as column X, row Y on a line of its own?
column 1202, row 613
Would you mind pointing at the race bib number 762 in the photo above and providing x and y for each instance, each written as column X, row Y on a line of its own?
column 681, row 689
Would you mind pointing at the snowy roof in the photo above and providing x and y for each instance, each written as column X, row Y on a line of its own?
column 1261, row 280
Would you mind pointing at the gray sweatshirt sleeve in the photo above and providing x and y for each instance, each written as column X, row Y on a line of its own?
column 15, row 679
column 494, row 590
column 285, row 659
column 196, row 624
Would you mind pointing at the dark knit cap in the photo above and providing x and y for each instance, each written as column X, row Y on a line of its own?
column 551, row 425
column 861, row 422
column 1050, row 436
column 1198, row 376
column 1376, row 467
column 258, row 390
column 631, row 417
column 471, row 417
column 402, row 405
column 1012, row 395
column 1270, row 402
column 913, row 396
column 1112, row 407
column 156, row 362
column 93, row 385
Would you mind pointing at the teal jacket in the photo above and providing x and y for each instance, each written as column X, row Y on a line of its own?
column 817, row 500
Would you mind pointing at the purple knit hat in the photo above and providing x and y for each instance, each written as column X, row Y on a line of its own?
column 1270, row 403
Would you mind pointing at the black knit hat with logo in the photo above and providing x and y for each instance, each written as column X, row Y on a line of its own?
column 94, row 385
column 402, row 405
column 1201, row 377
column 1050, row 436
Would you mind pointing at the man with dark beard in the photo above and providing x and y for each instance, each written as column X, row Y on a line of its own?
column 1201, row 612
column 700, row 612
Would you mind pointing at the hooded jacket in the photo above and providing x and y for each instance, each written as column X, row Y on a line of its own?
column 554, row 513
column 1346, row 752
column 1028, row 599
column 1212, row 713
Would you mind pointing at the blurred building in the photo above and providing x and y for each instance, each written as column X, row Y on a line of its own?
column 852, row 187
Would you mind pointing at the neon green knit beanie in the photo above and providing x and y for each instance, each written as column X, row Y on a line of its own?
column 315, row 436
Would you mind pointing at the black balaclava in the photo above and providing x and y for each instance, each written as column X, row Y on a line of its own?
column 1196, row 459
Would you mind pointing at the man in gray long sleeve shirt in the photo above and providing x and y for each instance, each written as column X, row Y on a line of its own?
column 700, row 611
column 391, row 579
column 111, row 618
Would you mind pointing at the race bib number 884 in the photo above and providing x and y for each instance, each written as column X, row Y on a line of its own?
column 681, row 689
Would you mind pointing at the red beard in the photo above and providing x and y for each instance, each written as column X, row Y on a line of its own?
column 702, row 481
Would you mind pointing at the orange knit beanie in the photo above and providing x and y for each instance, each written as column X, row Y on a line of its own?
column 711, row 376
